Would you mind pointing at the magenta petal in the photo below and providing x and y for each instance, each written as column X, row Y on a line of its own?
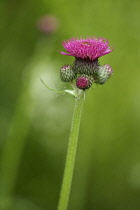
column 63, row 53
column 89, row 48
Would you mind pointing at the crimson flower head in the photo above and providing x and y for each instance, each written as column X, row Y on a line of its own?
column 90, row 48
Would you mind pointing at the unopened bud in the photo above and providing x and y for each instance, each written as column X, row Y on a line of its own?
column 103, row 74
column 84, row 82
column 67, row 74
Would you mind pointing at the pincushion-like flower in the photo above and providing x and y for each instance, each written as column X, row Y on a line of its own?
column 90, row 48
column 86, row 53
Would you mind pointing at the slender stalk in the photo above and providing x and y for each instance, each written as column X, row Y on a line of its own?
column 71, row 155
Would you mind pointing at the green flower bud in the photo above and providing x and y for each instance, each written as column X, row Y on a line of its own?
column 85, row 66
column 103, row 74
column 67, row 74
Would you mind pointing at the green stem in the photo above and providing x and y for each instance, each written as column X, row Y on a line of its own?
column 71, row 154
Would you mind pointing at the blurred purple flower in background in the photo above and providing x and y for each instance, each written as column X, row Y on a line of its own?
column 48, row 24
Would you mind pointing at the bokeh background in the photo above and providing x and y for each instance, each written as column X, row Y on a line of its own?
column 35, row 122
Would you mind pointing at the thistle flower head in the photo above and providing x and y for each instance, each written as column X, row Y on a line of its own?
column 90, row 48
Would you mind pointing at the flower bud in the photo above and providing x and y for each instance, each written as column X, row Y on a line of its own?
column 84, row 82
column 67, row 74
column 85, row 66
column 103, row 74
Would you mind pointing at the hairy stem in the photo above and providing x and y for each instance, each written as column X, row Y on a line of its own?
column 71, row 154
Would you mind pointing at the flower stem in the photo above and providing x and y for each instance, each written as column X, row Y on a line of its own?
column 71, row 154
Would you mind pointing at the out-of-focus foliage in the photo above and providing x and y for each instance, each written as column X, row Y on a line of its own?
column 35, row 122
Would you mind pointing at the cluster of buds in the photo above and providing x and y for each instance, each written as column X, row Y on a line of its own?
column 86, row 69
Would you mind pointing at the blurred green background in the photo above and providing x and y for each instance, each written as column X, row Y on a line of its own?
column 35, row 122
